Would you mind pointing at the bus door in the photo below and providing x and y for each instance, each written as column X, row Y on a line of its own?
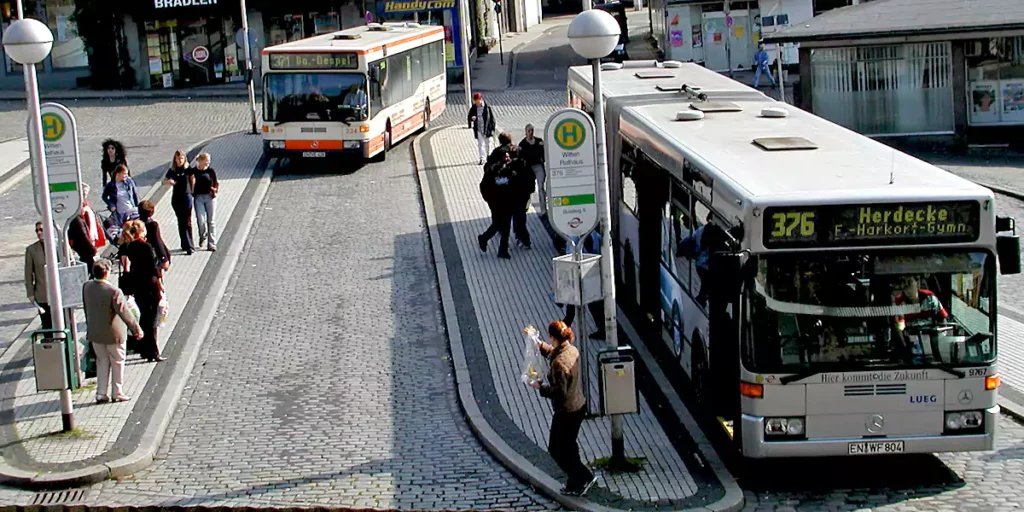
column 725, row 271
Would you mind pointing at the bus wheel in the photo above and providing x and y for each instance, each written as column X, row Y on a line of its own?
column 699, row 370
column 426, row 116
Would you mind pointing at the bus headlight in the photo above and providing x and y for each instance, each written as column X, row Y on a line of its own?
column 784, row 427
column 963, row 420
column 276, row 144
column 353, row 144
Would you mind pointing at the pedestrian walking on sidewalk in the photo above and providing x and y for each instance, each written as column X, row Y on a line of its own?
column 500, row 189
column 481, row 120
column 121, row 196
column 114, row 155
column 153, row 236
column 108, row 321
column 761, row 60
column 564, row 389
column 35, row 278
column 85, row 232
column 531, row 150
column 180, row 177
column 205, row 194
column 143, row 280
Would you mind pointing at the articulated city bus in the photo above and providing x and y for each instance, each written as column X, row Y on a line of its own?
column 353, row 92
column 824, row 293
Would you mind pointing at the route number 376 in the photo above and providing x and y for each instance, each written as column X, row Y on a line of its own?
column 785, row 225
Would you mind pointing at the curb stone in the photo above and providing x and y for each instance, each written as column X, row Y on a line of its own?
column 149, row 443
column 491, row 440
column 1006, row 191
column 155, row 193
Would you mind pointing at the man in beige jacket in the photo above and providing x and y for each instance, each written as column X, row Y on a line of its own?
column 108, row 320
column 35, row 277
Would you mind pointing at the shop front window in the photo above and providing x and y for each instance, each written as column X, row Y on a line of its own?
column 68, row 49
column 284, row 29
column 325, row 23
column 904, row 89
column 995, row 80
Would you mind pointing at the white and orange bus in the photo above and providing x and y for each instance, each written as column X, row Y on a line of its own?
column 353, row 92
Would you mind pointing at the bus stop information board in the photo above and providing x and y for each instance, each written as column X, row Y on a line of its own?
column 871, row 224
column 571, row 159
column 60, row 142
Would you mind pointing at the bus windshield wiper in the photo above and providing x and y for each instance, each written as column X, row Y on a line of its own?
column 798, row 376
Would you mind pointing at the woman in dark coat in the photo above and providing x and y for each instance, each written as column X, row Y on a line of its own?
column 113, row 156
column 153, row 236
column 142, row 279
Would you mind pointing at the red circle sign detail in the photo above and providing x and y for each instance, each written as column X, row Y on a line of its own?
column 200, row 54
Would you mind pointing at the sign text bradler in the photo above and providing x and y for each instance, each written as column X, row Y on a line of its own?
column 164, row 4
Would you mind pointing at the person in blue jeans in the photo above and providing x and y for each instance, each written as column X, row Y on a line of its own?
column 204, row 195
column 121, row 196
column 761, row 61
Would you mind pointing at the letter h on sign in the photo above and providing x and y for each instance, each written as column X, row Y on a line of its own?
column 569, row 134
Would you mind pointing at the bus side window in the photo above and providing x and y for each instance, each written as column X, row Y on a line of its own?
column 682, row 223
column 417, row 66
column 377, row 89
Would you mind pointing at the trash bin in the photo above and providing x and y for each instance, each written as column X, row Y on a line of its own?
column 617, row 381
column 50, row 358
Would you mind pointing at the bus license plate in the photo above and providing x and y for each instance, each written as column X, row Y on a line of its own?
column 876, row 447
column 314, row 154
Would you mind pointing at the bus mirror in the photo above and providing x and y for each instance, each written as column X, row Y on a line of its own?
column 1008, row 249
column 1005, row 224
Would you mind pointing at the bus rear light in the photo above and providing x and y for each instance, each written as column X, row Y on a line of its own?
column 963, row 420
column 364, row 129
column 751, row 390
column 991, row 382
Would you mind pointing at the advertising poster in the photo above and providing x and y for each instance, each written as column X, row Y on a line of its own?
column 984, row 96
column 676, row 38
column 698, row 39
column 1013, row 100
column 156, row 66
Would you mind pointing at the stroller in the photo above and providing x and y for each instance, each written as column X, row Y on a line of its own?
column 112, row 228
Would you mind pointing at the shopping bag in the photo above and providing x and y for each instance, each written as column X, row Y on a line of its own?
column 164, row 308
column 133, row 308
column 534, row 363
column 88, row 362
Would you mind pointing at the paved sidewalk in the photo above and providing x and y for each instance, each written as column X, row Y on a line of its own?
column 491, row 300
column 489, row 73
column 114, row 439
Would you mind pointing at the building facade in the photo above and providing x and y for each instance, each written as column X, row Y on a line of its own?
column 165, row 44
column 889, row 69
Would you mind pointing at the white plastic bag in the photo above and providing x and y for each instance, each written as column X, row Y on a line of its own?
column 133, row 308
column 164, row 309
column 534, row 364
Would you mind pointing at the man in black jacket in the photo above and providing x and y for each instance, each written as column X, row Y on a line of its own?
column 502, row 187
column 481, row 120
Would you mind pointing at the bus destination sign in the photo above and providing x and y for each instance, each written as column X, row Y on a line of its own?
column 326, row 61
column 871, row 224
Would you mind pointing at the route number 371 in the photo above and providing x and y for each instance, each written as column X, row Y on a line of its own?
column 785, row 224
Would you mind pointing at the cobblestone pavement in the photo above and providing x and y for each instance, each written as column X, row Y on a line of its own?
column 326, row 379
column 150, row 129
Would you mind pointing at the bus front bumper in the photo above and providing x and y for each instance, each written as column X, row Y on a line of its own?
column 755, row 446
column 352, row 149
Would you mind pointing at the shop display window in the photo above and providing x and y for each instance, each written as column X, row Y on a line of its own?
column 995, row 80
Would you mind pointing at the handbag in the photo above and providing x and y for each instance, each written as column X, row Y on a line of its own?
column 88, row 361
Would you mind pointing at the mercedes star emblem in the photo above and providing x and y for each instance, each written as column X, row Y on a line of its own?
column 875, row 423
column 965, row 397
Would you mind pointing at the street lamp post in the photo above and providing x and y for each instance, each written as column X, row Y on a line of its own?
column 27, row 42
column 248, row 67
column 593, row 34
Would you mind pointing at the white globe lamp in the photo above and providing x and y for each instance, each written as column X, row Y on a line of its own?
column 594, row 34
column 28, row 41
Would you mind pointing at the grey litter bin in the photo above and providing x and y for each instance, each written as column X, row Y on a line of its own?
column 49, row 356
column 617, row 381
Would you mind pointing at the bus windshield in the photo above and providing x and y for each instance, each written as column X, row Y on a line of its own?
column 850, row 312
column 290, row 97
